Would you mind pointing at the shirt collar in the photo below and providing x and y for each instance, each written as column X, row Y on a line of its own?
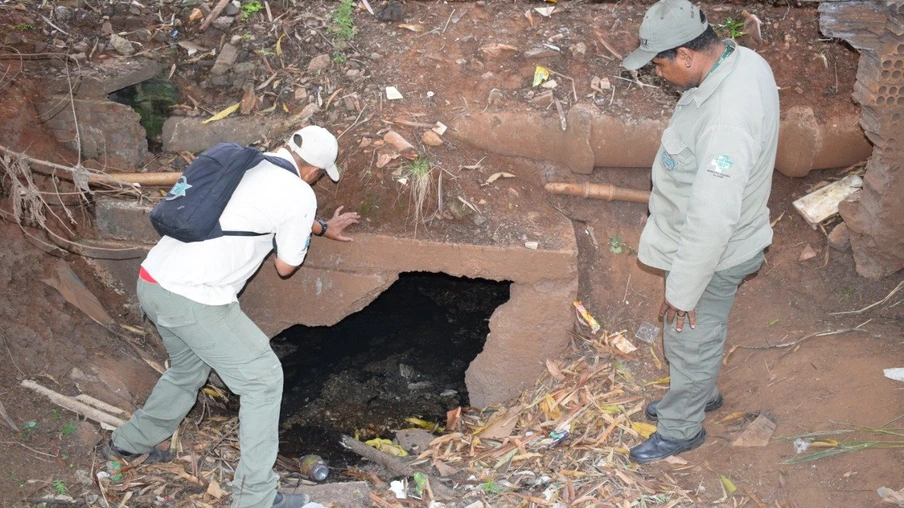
column 711, row 82
column 284, row 153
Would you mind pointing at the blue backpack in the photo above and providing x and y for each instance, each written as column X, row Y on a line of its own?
column 190, row 211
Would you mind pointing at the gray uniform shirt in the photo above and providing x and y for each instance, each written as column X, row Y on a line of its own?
column 712, row 177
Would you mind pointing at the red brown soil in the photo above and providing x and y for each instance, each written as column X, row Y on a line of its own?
column 825, row 383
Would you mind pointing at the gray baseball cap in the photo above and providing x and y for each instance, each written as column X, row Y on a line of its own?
column 667, row 24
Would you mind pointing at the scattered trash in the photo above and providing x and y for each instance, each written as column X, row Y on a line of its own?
column 541, row 74
column 393, row 94
column 550, row 84
column 647, row 332
column 558, row 437
column 621, row 342
column 420, row 482
column 532, row 245
column 545, row 11
column 399, row 488
column 891, row 496
column 897, row 373
column 801, row 445
column 313, row 467
column 440, row 128
column 758, row 433
column 585, row 317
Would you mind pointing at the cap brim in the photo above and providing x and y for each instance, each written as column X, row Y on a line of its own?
column 333, row 172
column 637, row 59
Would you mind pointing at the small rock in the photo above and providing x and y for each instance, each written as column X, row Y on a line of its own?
column 86, row 434
column 231, row 9
column 579, row 49
column 244, row 68
column 840, row 238
column 225, row 60
column 352, row 73
column 63, row 13
column 121, row 45
column 319, row 63
column 415, row 441
column 223, row 22
column 539, row 53
column 431, row 138
column 393, row 11
column 532, row 245
column 807, row 253
column 80, row 56
column 479, row 220
column 544, row 99
column 80, row 47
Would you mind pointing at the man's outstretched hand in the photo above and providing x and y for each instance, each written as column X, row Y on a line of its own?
column 671, row 313
column 337, row 224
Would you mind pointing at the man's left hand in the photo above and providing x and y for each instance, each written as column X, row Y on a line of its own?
column 337, row 224
column 672, row 313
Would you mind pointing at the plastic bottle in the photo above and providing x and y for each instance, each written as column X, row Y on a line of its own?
column 313, row 467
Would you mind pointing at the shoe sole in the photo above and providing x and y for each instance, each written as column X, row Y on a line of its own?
column 708, row 408
column 693, row 443
column 153, row 457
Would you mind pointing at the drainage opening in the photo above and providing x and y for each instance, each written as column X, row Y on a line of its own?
column 404, row 355
column 152, row 100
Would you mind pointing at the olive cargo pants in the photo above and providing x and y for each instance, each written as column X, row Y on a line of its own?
column 199, row 337
column 695, row 355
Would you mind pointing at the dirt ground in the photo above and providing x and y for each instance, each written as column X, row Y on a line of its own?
column 827, row 382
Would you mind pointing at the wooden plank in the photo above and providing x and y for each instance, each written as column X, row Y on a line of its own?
column 821, row 204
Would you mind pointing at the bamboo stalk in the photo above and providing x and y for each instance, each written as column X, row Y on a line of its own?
column 599, row 191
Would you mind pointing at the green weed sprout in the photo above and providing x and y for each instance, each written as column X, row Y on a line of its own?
column 251, row 7
column 419, row 172
column 343, row 28
column 60, row 488
column 28, row 428
column 733, row 28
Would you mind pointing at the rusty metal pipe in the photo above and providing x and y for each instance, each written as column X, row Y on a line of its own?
column 599, row 191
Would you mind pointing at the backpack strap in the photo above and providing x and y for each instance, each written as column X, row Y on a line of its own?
column 276, row 161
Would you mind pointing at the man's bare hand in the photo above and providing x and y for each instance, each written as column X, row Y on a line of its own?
column 336, row 225
column 672, row 313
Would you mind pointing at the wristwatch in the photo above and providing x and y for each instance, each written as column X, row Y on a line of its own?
column 323, row 226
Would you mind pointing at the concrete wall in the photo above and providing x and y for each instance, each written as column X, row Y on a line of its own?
column 338, row 279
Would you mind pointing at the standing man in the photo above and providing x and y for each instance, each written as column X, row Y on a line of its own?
column 709, row 222
column 189, row 291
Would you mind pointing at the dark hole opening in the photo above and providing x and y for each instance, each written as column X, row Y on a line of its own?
column 404, row 355
column 152, row 100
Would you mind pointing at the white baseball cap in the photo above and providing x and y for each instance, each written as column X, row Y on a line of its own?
column 318, row 147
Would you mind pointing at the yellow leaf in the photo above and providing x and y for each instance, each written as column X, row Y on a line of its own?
column 424, row 424
column 612, row 409
column 412, row 27
column 824, row 443
column 387, row 446
column 223, row 114
column 279, row 45
column 496, row 176
column 663, row 381
column 737, row 415
column 728, row 484
column 644, row 429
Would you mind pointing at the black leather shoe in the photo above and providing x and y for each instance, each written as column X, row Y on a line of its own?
column 290, row 500
column 111, row 452
column 712, row 405
column 657, row 447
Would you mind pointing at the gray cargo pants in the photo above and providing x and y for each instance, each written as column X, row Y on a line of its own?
column 695, row 355
column 199, row 337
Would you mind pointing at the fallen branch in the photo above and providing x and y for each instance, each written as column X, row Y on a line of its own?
column 213, row 14
column 868, row 307
column 9, row 421
column 74, row 405
column 393, row 465
column 805, row 337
